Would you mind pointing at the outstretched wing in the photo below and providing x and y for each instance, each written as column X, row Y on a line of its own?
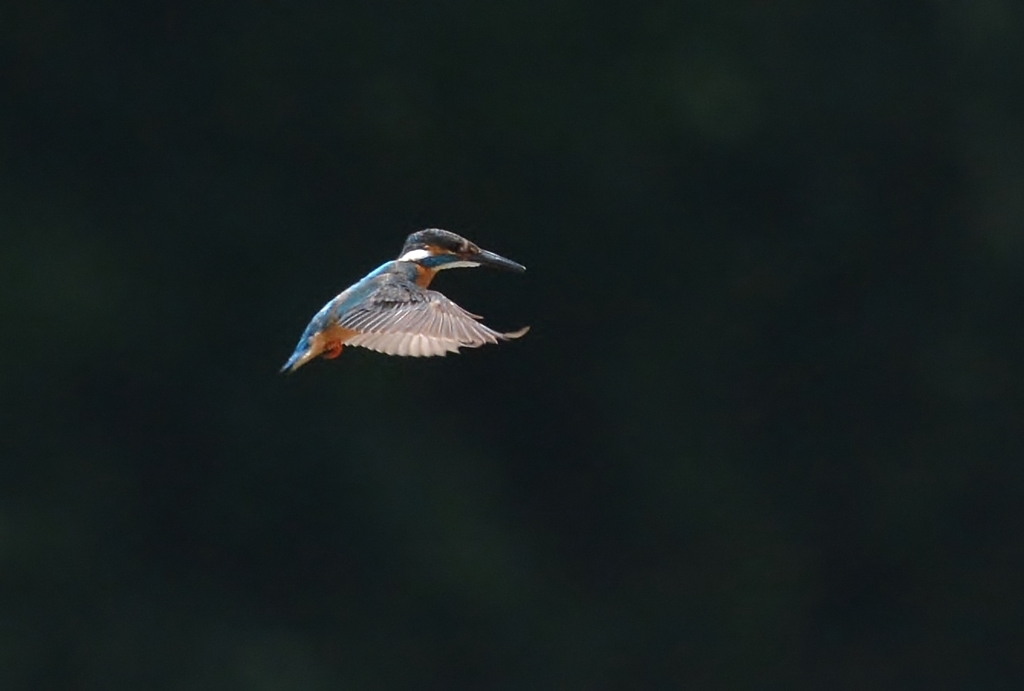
column 400, row 318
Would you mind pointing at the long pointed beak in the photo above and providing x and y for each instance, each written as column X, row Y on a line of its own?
column 485, row 258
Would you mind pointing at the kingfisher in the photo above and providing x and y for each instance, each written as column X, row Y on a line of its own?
column 391, row 311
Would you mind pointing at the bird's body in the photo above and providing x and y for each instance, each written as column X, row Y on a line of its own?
column 391, row 311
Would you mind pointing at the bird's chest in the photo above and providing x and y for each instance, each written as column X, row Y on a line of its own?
column 424, row 276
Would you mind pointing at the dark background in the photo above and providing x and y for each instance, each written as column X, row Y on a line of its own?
column 765, row 432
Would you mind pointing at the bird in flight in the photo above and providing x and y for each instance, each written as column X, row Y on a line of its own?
column 391, row 311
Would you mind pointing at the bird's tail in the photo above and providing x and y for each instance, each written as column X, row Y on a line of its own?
column 303, row 354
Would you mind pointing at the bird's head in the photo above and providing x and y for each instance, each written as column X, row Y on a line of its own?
column 438, row 249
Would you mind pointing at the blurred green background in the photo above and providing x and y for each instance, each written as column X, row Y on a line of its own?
column 766, row 432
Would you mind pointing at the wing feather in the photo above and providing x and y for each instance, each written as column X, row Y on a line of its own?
column 400, row 318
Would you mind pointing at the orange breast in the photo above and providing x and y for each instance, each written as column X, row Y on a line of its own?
column 424, row 276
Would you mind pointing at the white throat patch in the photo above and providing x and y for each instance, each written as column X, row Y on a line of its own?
column 414, row 255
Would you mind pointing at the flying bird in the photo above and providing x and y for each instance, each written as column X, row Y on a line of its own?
column 391, row 311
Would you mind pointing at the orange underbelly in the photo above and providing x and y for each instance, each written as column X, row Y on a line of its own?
column 336, row 333
column 330, row 340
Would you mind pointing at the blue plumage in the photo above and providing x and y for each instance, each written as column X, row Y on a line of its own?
column 391, row 311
